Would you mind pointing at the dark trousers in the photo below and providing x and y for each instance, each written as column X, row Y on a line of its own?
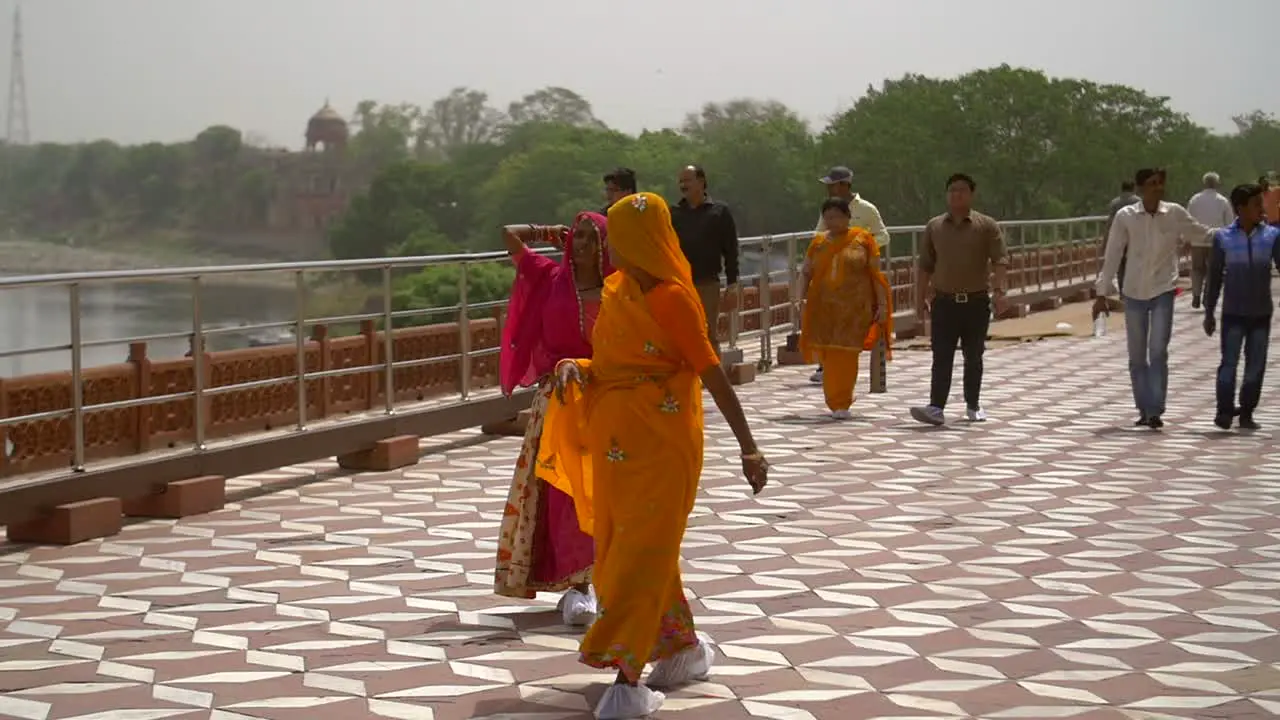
column 1250, row 335
column 962, row 320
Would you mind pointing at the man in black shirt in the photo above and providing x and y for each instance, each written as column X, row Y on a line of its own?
column 618, row 183
column 709, row 239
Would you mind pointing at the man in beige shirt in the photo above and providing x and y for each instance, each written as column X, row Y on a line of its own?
column 839, row 182
column 959, row 253
column 1211, row 209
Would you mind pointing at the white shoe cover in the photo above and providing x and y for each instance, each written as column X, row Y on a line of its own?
column 578, row 610
column 689, row 665
column 624, row 702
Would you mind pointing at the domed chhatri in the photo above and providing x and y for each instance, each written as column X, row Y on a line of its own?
column 327, row 129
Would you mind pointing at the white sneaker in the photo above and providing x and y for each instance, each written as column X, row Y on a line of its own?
column 976, row 414
column 693, row 664
column 624, row 702
column 841, row 415
column 816, row 378
column 577, row 609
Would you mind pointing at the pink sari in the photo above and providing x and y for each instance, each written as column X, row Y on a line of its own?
column 547, row 320
column 540, row 545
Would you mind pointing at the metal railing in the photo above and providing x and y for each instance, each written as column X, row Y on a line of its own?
column 766, row 260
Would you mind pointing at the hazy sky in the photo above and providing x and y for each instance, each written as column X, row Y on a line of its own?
column 136, row 70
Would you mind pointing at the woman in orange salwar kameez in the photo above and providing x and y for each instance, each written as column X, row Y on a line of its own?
column 847, row 305
column 624, row 435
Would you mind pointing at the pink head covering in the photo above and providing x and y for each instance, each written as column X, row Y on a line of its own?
column 546, row 319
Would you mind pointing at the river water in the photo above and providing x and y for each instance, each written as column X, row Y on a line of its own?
column 40, row 317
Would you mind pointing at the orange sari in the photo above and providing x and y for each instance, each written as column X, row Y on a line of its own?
column 845, row 282
column 628, row 447
column 838, row 311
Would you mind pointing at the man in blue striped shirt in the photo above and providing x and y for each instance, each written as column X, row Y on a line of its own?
column 1240, row 272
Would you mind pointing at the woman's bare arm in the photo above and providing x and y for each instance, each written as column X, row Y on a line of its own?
column 517, row 238
column 717, row 383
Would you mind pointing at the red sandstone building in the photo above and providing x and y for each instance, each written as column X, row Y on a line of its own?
column 313, row 187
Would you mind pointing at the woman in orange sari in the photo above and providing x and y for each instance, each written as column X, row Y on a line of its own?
column 847, row 305
column 624, row 436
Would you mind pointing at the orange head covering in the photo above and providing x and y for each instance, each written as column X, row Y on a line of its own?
column 640, row 233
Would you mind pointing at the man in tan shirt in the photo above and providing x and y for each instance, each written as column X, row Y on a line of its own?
column 959, row 252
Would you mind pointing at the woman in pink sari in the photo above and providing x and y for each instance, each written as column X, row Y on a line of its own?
column 551, row 313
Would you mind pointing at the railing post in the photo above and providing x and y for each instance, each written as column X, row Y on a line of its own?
column 793, row 284
column 464, row 335
column 735, row 318
column 1039, row 260
column 197, row 365
column 764, row 301
column 77, row 381
column 369, row 331
column 320, row 336
column 388, row 344
column 1075, row 256
column 879, row 351
column 913, row 272
column 1057, row 256
column 142, row 376
column 1100, row 255
column 6, row 454
column 300, row 341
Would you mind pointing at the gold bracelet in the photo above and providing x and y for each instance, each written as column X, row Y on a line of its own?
column 757, row 455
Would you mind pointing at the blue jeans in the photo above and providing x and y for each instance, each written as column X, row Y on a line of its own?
column 1148, row 325
column 1252, row 335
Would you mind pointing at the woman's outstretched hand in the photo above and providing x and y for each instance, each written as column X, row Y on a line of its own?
column 756, row 469
column 568, row 373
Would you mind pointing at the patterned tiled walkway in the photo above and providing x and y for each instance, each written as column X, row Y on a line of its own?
column 1051, row 563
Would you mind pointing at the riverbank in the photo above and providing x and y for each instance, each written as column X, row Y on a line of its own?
column 33, row 257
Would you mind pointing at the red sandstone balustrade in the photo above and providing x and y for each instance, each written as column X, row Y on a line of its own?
column 48, row 444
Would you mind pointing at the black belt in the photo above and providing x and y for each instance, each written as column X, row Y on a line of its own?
column 960, row 298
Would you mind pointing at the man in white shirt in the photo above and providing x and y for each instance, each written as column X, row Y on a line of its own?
column 839, row 182
column 1210, row 208
column 1150, row 232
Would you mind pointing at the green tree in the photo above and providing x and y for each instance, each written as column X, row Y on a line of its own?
column 440, row 287
column 557, row 105
column 759, row 156
column 553, row 180
column 1257, row 145
column 1038, row 146
column 461, row 118
column 404, row 200
column 657, row 157
column 151, row 180
column 384, row 134
column 444, row 177
column 84, row 185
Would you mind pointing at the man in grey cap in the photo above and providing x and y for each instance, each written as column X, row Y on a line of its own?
column 839, row 182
